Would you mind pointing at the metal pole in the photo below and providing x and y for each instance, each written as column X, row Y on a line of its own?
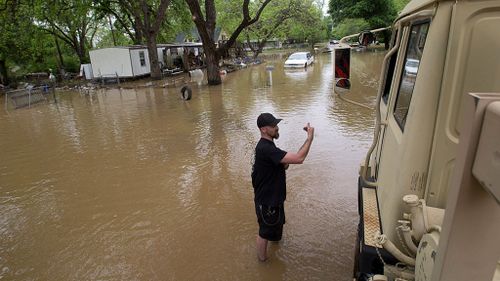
column 270, row 69
column 54, row 92
column 29, row 98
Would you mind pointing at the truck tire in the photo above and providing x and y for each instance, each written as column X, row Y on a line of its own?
column 186, row 93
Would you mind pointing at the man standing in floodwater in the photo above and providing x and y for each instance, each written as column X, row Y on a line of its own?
column 269, row 180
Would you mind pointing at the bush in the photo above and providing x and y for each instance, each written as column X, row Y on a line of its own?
column 72, row 64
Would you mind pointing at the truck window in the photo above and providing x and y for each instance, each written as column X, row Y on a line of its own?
column 390, row 69
column 414, row 50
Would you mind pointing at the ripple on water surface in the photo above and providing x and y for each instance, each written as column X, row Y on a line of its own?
column 137, row 184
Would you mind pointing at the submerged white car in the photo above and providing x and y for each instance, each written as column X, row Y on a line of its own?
column 299, row 59
column 411, row 67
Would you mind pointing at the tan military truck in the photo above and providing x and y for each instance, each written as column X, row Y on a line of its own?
column 429, row 188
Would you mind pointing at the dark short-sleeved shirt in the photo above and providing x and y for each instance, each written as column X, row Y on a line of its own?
column 268, row 174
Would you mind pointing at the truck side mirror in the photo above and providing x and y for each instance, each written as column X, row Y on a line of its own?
column 342, row 67
column 343, row 83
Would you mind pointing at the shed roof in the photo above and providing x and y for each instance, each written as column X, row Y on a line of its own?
column 132, row 47
column 167, row 45
column 179, row 45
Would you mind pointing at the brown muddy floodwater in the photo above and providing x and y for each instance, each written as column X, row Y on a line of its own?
column 137, row 184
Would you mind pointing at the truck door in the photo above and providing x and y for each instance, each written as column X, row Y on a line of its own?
column 408, row 110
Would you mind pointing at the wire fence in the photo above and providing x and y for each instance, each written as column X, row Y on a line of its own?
column 27, row 97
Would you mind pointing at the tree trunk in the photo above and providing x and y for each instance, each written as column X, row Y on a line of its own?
column 185, row 59
column 260, row 48
column 153, row 58
column 4, row 77
column 80, row 50
column 256, row 53
column 138, row 34
column 387, row 39
column 59, row 60
column 112, row 30
column 81, row 56
column 213, row 71
column 206, row 26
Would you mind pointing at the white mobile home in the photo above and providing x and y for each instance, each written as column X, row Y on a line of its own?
column 124, row 62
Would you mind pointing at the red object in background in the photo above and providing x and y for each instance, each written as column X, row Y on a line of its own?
column 342, row 63
column 342, row 67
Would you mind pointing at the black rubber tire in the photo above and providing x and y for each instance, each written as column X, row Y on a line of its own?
column 186, row 93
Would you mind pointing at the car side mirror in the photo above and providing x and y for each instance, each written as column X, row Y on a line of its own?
column 342, row 67
column 343, row 83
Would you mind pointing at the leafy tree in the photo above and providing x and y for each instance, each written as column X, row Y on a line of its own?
column 147, row 21
column 350, row 26
column 124, row 19
column 24, row 47
column 206, row 23
column 272, row 23
column 400, row 4
column 377, row 13
column 7, row 19
column 148, row 17
column 15, row 29
column 74, row 22
column 308, row 25
column 178, row 21
column 110, row 37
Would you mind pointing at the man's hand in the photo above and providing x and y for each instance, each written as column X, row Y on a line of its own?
column 309, row 130
column 300, row 156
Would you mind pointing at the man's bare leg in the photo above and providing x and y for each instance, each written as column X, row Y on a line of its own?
column 261, row 248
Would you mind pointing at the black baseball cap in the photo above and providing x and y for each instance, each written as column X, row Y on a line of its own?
column 267, row 119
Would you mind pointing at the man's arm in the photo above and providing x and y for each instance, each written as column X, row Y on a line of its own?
column 300, row 156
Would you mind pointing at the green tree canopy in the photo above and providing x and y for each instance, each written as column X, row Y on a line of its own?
column 349, row 15
column 350, row 26
column 273, row 23
column 308, row 25
column 14, row 22
column 205, row 14
column 378, row 13
column 25, row 46
column 74, row 22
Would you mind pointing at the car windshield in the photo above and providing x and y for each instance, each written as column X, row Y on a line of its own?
column 297, row 57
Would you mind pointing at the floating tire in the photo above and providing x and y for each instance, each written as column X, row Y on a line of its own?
column 186, row 93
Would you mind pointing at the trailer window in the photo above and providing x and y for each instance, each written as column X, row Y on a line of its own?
column 415, row 48
column 142, row 58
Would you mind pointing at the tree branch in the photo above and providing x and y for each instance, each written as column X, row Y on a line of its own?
column 244, row 23
column 160, row 15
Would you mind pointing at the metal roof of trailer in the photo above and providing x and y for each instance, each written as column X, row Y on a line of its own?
column 133, row 47
column 179, row 45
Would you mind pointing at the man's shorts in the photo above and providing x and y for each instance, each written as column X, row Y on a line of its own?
column 271, row 221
